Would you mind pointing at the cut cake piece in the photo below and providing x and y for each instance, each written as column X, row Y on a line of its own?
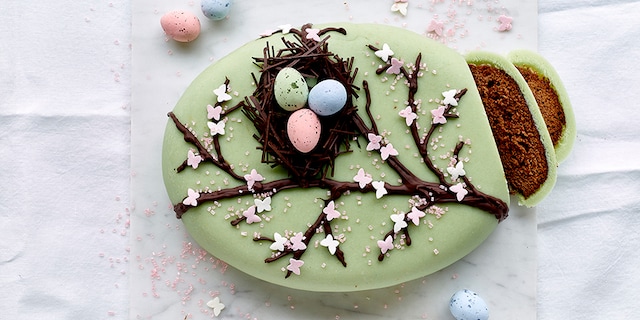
column 551, row 96
column 524, row 143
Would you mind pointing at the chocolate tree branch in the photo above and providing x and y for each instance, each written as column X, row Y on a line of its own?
column 321, row 222
column 206, row 156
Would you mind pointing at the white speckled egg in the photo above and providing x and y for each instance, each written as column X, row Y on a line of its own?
column 303, row 129
column 215, row 9
column 468, row 305
column 290, row 89
column 180, row 26
column 327, row 97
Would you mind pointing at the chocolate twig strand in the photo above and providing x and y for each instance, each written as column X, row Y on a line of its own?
column 204, row 153
column 321, row 221
column 315, row 169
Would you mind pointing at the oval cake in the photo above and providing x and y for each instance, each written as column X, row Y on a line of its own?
column 401, row 181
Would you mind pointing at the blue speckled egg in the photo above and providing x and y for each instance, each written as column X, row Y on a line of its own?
column 327, row 97
column 215, row 9
column 467, row 305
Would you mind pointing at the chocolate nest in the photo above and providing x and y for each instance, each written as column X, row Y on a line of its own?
column 313, row 60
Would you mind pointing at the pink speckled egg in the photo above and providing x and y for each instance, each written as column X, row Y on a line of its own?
column 303, row 129
column 180, row 26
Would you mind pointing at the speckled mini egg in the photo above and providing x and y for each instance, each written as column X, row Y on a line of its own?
column 468, row 305
column 180, row 26
column 303, row 129
column 290, row 89
column 327, row 97
column 215, row 9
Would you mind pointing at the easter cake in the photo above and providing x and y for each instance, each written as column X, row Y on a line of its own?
column 337, row 157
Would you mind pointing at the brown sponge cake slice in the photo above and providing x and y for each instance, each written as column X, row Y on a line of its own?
column 551, row 96
column 524, row 143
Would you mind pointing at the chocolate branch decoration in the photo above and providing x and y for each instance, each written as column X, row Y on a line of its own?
column 309, row 54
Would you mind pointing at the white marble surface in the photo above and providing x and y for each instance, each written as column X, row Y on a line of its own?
column 171, row 277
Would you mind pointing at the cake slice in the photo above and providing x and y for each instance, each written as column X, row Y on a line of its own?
column 524, row 143
column 551, row 96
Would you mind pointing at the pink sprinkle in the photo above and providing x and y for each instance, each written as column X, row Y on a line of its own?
column 505, row 23
column 436, row 27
